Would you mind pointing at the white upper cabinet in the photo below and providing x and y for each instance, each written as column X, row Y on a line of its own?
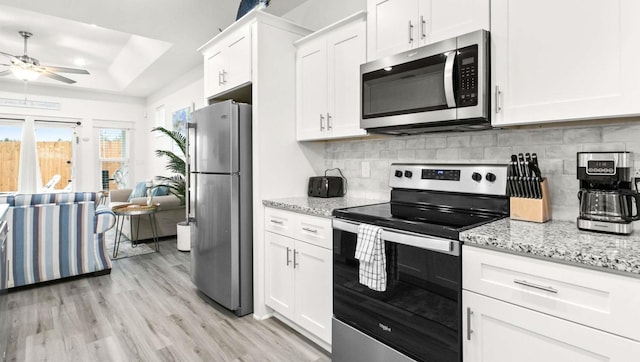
column 328, row 81
column 228, row 64
column 311, row 90
column 564, row 60
column 394, row 26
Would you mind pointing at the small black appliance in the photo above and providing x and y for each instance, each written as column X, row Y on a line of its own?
column 327, row 186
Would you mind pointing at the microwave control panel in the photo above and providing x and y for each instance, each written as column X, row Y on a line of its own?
column 467, row 61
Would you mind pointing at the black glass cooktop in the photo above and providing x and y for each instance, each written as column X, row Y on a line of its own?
column 429, row 220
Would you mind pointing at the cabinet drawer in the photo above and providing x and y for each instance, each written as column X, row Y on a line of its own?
column 315, row 230
column 598, row 299
column 280, row 222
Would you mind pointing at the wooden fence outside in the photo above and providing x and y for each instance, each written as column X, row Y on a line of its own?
column 54, row 158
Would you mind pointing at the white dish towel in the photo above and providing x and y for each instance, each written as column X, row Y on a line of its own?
column 373, row 262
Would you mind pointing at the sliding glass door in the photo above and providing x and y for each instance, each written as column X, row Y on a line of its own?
column 10, row 144
column 55, row 150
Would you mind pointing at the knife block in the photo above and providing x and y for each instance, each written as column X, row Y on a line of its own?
column 535, row 210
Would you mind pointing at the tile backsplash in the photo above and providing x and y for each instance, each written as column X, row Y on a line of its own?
column 556, row 148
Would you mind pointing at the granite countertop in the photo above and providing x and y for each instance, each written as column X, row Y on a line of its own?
column 560, row 241
column 316, row 205
column 3, row 210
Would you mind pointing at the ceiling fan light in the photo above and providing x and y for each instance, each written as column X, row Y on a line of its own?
column 24, row 73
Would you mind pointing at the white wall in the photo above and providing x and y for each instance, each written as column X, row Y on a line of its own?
column 181, row 93
column 88, row 108
column 316, row 14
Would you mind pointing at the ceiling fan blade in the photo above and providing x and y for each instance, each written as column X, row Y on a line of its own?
column 5, row 72
column 13, row 58
column 57, row 77
column 64, row 70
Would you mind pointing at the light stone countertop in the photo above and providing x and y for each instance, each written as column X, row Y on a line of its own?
column 560, row 241
column 317, row 206
column 3, row 210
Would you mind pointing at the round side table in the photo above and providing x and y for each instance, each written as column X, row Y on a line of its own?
column 133, row 210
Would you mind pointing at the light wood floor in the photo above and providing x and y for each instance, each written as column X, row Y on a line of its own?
column 147, row 309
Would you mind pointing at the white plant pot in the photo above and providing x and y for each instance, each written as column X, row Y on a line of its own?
column 184, row 236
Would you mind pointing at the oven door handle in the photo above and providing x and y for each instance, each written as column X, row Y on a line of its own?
column 448, row 79
column 420, row 241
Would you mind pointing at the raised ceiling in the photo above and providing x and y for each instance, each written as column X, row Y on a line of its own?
column 129, row 47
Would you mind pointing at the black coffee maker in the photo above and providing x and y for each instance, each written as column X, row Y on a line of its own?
column 608, row 198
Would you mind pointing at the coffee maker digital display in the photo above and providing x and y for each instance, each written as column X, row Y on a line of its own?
column 608, row 198
column 601, row 167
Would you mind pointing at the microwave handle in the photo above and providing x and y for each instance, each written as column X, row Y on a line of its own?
column 448, row 79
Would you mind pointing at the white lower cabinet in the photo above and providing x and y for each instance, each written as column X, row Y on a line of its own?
column 299, row 273
column 522, row 309
column 279, row 278
column 497, row 331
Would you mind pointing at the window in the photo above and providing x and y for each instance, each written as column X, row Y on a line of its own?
column 10, row 142
column 114, row 158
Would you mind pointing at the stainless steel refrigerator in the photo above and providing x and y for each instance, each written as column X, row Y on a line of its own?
column 220, row 206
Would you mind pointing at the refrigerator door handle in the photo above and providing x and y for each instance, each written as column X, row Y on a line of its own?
column 187, row 172
column 191, row 207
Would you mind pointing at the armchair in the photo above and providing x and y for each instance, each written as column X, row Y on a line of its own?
column 55, row 235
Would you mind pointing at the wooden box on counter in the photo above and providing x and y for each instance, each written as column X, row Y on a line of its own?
column 536, row 210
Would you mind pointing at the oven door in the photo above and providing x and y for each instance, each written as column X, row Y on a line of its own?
column 419, row 312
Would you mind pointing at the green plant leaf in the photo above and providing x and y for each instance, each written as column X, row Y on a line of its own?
column 175, row 164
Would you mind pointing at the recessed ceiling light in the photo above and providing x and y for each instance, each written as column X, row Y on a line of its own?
column 79, row 62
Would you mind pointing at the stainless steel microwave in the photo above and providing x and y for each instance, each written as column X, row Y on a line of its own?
column 437, row 87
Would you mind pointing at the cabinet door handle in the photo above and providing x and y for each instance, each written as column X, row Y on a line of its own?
column 224, row 76
column 469, row 331
column 423, row 25
column 276, row 222
column 295, row 258
column 498, row 99
column 410, row 32
column 329, row 126
column 315, row 231
column 219, row 77
column 288, row 257
column 321, row 122
column 536, row 286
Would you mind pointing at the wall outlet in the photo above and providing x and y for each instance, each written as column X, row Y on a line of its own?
column 366, row 169
column 636, row 171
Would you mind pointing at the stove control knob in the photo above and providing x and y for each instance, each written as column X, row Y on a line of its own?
column 398, row 173
column 408, row 173
column 490, row 177
column 476, row 177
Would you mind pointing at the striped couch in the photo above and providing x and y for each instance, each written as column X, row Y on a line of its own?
column 55, row 235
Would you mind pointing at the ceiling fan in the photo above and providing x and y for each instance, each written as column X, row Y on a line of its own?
column 27, row 68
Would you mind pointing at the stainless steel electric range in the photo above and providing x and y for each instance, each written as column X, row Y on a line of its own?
column 418, row 315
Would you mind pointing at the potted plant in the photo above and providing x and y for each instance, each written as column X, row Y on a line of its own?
column 177, row 184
